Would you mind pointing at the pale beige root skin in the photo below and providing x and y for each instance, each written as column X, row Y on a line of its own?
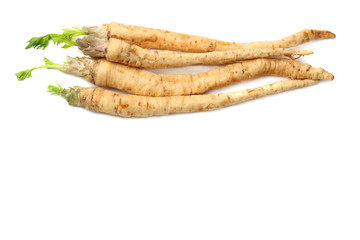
column 145, row 83
column 161, row 39
column 132, row 55
column 97, row 31
column 105, row 101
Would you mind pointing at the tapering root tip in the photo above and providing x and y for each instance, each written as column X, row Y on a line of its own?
column 298, row 53
column 321, row 34
column 329, row 76
column 325, row 75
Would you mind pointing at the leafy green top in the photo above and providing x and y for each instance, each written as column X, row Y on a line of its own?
column 66, row 37
column 55, row 89
column 71, row 95
column 48, row 64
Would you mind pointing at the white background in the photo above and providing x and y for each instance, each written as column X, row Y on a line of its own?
column 281, row 167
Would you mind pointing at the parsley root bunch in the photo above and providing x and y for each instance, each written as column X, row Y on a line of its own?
column 105, row 101
column 142, row 82
column 116, row 50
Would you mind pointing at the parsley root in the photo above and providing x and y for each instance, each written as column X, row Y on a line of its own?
column 116, row 50
column 142, row 82
column 105, row 101
column 161, row 39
